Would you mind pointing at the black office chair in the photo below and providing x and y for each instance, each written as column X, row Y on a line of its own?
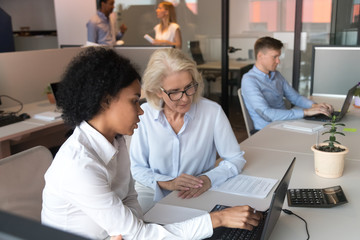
column 236, row 82
column 209, row 76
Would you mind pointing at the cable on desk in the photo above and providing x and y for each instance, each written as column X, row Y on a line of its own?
column 287, row 211
column 15, row 100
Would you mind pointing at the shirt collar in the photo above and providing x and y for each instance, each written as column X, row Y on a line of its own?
column 102, row 15
column 159, row 114
column 257, row 71
column 104, row 149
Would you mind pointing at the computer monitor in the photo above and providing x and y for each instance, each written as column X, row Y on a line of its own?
column 335, row 69
column 13, row 227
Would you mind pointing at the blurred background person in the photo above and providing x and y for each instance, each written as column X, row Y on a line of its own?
column 101, row 28
column 167, row 32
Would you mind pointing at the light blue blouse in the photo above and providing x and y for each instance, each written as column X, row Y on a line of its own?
column 157, row 153
column 263, row 97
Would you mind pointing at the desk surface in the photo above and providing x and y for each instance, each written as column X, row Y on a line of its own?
column 274, row 137
column 323, row 223
column 268, row 154
column 16, row 131
column 216, row 65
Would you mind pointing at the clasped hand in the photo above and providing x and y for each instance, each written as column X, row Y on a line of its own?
column 188, row 186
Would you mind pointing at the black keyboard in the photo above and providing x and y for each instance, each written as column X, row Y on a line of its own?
column 9, row 119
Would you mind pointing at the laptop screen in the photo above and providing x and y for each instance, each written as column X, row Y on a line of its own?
column 347, row 102
column 54, row 88
column 277, row 202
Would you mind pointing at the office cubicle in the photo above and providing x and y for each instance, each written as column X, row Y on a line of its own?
column 25, row 75
column 138, row 55
column 335, row 69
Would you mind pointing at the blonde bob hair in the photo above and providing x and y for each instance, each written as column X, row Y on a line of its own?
column 162, row 63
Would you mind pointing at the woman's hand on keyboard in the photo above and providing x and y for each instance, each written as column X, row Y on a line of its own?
column 244, row 217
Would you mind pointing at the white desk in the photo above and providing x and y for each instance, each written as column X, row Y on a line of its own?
column 32, row 132
column 323, row 223
column 274, row 138
column 268, row 154
column 216, row 65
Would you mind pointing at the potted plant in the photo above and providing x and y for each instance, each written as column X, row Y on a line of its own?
column 329, row 156
column 357, row 96
column 50, row 94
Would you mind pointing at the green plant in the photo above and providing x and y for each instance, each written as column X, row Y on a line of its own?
column 332, row 138
column 47, row 90
column 357, row 91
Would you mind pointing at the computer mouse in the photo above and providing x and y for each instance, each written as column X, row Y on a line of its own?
column 24, row 116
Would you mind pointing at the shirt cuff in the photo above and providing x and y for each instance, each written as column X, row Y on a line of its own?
column 221, row 173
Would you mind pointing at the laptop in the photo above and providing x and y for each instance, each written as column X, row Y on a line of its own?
column 266, row 226
column 339, row 115
column 54, row 87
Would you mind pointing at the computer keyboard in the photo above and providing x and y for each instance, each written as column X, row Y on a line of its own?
column 9, row 119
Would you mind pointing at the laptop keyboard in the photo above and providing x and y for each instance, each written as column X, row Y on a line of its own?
column 243, row 234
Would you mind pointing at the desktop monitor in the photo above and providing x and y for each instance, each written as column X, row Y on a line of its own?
column 13, row 227
column 335, row 69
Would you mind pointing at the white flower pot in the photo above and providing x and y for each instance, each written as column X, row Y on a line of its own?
column 329, row 164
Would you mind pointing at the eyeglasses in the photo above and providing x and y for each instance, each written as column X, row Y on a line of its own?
column 177, row 95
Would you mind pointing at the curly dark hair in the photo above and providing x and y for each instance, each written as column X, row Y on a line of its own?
column 91, row 78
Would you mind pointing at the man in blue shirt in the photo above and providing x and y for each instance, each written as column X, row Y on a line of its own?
column 101, row 28
column 264, row 89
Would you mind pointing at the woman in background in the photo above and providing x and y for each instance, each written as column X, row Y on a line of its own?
column 167, row 32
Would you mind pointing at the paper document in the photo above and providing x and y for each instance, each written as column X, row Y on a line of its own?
column 248, row 186
column 149, row 38
column 164, row 214
column 302, row 126
column 48, row 116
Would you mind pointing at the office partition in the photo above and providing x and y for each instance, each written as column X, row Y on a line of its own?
column 138, row 55
column 335, row 69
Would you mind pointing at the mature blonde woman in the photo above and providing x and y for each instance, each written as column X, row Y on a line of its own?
column 175, row 146
column 167, row 32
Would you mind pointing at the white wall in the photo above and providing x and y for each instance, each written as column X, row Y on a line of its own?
column 71, row 19
column 36, row 14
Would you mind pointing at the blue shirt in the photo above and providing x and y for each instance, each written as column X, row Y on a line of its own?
column 100, row 30
column 157, row 153
column 264, row 98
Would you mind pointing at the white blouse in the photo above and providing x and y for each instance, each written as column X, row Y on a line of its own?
column 169, row 34
column 89, row 191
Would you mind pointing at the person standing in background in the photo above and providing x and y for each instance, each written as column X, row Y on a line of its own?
column 167, row 32
column 101, row 28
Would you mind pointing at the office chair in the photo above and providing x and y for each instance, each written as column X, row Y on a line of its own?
column 248, row 121
column 209, row 76
column 22, row 182
column 236, row 82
